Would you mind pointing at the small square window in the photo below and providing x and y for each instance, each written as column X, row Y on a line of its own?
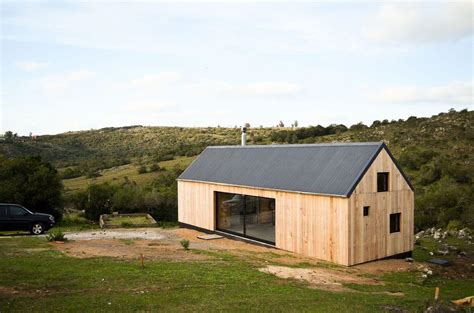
column 382, row 182
column 395, row 222
column 366, row 211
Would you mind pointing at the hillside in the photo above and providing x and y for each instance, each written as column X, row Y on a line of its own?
column 436, row 153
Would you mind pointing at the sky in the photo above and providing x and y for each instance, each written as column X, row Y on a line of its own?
column 78, row 65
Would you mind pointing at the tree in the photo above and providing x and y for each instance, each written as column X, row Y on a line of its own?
column 97, row 200
column 8, row 136
column 295, row 124
column 32, row 183
column 247, row 125
column 281, row 124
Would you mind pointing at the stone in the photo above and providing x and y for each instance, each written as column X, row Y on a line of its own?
column 409, row 260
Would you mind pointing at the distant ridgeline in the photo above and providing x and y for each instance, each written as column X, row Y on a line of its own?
column 436, row 152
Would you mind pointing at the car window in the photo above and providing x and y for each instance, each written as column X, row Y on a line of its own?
column 16, row 211
column 3, row 210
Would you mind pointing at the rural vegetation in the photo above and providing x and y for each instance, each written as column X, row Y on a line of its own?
column 133, row 169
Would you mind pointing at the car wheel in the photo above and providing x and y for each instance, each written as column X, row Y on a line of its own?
column 37, row 229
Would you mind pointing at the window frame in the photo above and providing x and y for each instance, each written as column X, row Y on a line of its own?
column 365, row 210
column 245, row 213
column 10, row 207
column 395, row 228
column 385, row 182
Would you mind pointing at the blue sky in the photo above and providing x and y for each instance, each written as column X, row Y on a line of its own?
column 91, row 64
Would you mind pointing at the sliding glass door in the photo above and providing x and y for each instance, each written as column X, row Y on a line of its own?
column 248, row 216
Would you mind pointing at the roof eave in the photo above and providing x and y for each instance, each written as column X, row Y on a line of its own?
column 263, row 188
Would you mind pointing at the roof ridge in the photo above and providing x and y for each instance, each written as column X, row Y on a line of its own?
column 345, row 144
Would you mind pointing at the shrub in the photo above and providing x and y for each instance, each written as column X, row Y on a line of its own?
column 185, row 244
column 56, row 235
column 126, row 224
column 96, row 200
column 454, row 225
column 155, row 167
column 142, row 169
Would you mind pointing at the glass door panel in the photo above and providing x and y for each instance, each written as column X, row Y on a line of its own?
column 250, row 216
column 230, row 212
column 260, row 218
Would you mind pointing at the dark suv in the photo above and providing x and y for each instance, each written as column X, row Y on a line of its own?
column 16, row 217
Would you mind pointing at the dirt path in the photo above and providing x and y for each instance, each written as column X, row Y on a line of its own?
column 139, row 233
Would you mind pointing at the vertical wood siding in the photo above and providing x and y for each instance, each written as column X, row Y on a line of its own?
column 370, row 236
column 312, row 225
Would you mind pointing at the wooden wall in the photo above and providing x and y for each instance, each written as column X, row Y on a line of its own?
column 312, row 225
column 370, row 236
column 324, row 227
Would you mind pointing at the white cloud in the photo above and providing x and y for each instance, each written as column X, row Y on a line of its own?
column 422, row 22
column 152, row 80
column 249, row 89
column 147, row 106
column 32, row 66
column 58, row 83
column 263, row 88
column 455, row 93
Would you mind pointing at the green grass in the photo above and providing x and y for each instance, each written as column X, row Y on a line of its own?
column 223, row 283
column 129, row 220
column 117, row 175
column 75, row 222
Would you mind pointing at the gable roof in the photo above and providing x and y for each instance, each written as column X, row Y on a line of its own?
column 329, row 169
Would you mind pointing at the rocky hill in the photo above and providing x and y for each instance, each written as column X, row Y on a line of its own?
column 436, row 152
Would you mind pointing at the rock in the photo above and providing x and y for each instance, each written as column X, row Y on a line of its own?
column 443, row 250
column 453, row 248
column 464, row 233
column 419, row 234
column 462, row 253
column 430, row 253
column 437, row 235
column 409, row 260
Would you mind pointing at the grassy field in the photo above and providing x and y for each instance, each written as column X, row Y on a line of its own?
column 118, row 174
column 37, row 277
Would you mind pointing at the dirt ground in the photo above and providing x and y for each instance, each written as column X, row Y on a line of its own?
column 164, row 244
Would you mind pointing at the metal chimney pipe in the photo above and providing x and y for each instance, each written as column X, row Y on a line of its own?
column 244, row 136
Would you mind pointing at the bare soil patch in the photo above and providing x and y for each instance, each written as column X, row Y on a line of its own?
column 321, row 278
column 131, row 249
column 9, row 292
column 386, row 266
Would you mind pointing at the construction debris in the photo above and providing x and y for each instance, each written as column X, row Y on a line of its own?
column 210, row 237
column 469, row 301
column 440, row 262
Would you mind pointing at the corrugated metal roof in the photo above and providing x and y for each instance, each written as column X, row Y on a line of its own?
column 331, row 169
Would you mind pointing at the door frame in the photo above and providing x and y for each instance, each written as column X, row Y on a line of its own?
column 244, row 235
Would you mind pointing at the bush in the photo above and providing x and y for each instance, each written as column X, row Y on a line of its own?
column 96, row 200
column 126, row 224
column 454, row 225
column 155, row 167
column 142, row 169
column 185, row 244
column 56, row 235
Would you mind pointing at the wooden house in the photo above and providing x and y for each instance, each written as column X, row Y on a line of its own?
column 346, row 203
